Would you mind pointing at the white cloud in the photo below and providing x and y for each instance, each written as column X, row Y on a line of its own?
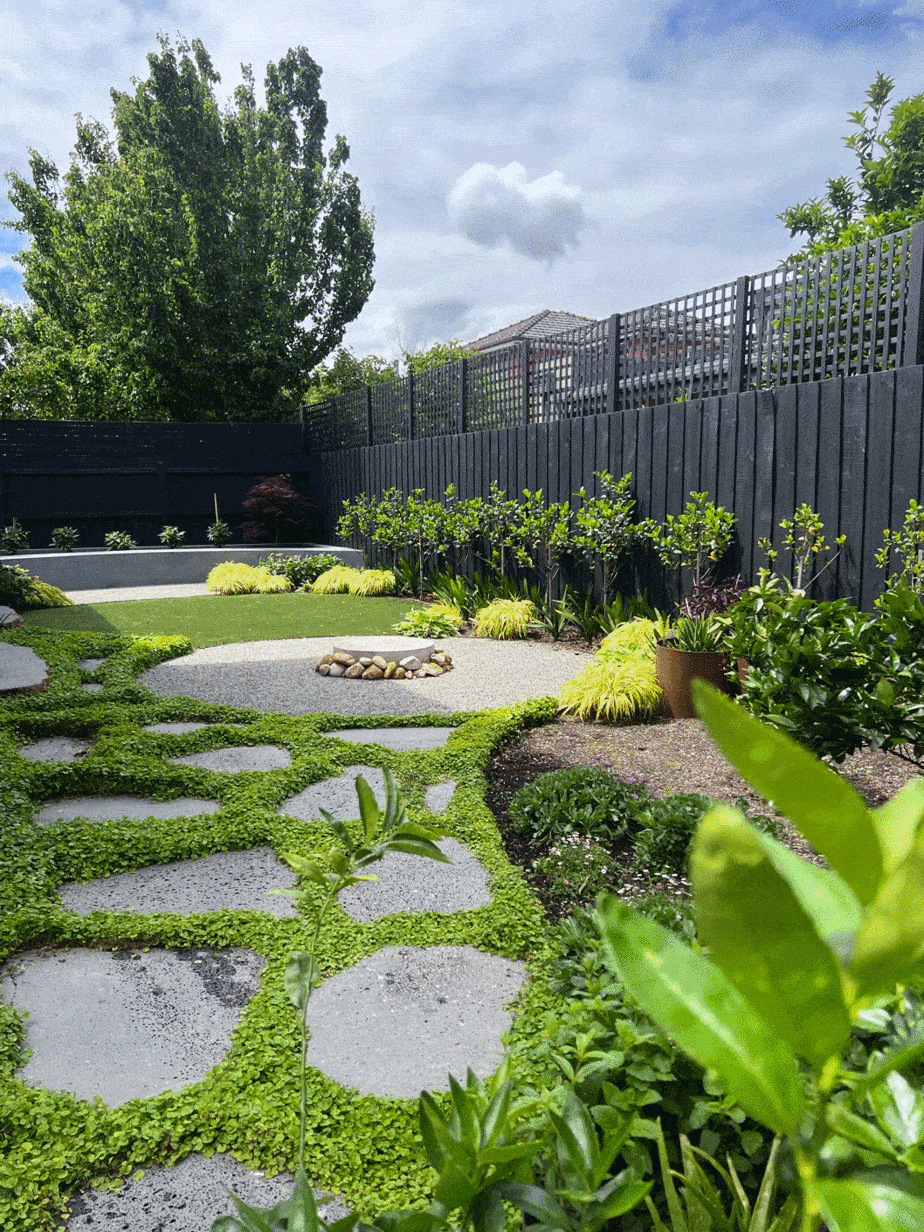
column 540, row 219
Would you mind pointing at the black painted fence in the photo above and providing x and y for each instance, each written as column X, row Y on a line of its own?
column 852, row 448
column 138, row 477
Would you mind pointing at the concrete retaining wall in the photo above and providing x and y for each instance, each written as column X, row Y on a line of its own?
column 151, row 566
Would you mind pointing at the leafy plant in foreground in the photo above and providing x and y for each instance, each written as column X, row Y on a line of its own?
column 797, row 954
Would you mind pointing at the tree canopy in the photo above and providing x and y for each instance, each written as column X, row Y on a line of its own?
column 199, row 267
column 888, row 194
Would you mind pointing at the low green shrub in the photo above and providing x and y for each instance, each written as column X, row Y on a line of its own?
column 23, row 592
column 576, row 869
column 636, row 637
column 578, row 800
column 64, row 538
column 119, row 541
column 438, row 620
column 504, row 619
column 300, row 570
column 232, row 578
column 14, row 539
column 219, row 533
column 172, row 536
column 666, row 829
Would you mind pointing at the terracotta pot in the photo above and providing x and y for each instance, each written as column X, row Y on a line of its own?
column 677, row 669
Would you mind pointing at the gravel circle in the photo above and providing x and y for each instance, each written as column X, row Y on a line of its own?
column 280, row 676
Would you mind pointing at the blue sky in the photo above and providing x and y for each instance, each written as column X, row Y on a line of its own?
column 569, row 154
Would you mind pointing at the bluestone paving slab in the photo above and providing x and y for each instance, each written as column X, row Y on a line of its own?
column 55, row 748
column 185, row 1198
column 402, row 738
column 127, row 1025
column 337, row 795
column 114, row 808
column 239, row 757
column 239, row 880
column 404, row 1018
column 414, row 883
column 438, row 797
column 21, row 670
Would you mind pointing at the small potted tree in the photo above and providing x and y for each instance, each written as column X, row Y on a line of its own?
column 697, row 540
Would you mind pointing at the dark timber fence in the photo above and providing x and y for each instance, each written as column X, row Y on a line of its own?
column 842, row 314
column 851, row 447
column 138, row 477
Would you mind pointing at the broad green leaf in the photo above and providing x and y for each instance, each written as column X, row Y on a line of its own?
column 300, row 1209
column 897, row 1059
column 576, row 1145
column 897, row 823
column 867, row 1206
column 899, row 1109
column 464, row 1108
column 394, row 805
column 417, row 847
column 248, row 1218
column 301, row 975
column 707, row 1017
column 830, row 814
column 628, row 1195
column 890, row 939
column 859, row 1131
column 760, row 936
column 494, row 1121
column 368, row 808
column 455, row 1185
column 536, row 1202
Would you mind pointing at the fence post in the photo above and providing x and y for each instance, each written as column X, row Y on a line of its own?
column 740, row 333
column 524, row 393
column 410, row 405
column 612, row 363
column 463, row 395
column 369, row 440
column 913, row 341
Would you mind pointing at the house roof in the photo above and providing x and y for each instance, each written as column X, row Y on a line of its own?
column 543, row 324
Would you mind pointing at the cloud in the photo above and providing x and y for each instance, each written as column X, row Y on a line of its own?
column 540, row 219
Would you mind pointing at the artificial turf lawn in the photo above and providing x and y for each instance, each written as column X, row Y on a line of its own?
column 217, row 620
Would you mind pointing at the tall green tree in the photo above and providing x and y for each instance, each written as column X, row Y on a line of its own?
column 199, row 267
column 888, row 194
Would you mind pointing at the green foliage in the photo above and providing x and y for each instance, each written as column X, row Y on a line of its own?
column 796, row 954
column 540, row 536
column 889, row 191
column 579, row 800
column 345, row 373
column 219, row 533
column 504, row 619
column 14, row 538
column 64, row 538
column 23, row 592
column 438, row 620
column 604, row 530
column 576, row 869
column 173, row 270
column 300, row 570
column 437, row 355
column 696, row 539
column 634, row 638
column 119, row 541
column 908, row 545
column 804, row 538
column 699, row 633
column 172, row 536
column 664, row 830
column 231, row 578
column 612, row 689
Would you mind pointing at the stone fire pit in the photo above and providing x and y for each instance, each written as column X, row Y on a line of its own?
column 383, row 658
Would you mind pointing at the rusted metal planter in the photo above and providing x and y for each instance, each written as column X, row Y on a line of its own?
column 677, row 669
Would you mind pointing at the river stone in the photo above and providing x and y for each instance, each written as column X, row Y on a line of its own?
column 340, row 656
column 373, row 673
column 326, row 659
column 336, row 669
column 364, row 660
column 400, row 673
column 390, row 669
column 324, row 668
column 379, row 662
column 354, row 671
column 410, row 664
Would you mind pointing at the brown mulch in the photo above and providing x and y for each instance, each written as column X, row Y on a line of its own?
column 666, row 756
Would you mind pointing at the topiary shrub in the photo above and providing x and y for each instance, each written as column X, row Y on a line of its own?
column 504, row 619
column 579, row 800
column 439, row 620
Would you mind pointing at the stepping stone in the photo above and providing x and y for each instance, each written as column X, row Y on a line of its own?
column 127, row 1025
column 337, row 795
column 238, row 880
column 404, row 1018
column 92, row 688
column 438, row 797
column 414, row 883
column 240, row 757
column 90, row 665
column 21, row 670
column 55, row 748
column 403, row 738
column 114, row 808
column 176, row 729
column 186, row 1198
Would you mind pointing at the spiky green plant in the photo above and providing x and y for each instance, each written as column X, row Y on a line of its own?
column 438, row 620
column 504, row 618
column 612, row 690
column 233, row 578
column 334, row 581
column 372, row 582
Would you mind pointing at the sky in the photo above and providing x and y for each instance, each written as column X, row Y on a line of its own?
column 589, row 156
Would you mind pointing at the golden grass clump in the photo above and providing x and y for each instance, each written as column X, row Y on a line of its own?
column 43, row 594
column 334, row 581
column 635, row 637
column 232, row 578
column 504, row 618
column 372, row 582
column 612, row 690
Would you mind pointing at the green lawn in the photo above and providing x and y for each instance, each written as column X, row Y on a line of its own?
column 215, row 620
